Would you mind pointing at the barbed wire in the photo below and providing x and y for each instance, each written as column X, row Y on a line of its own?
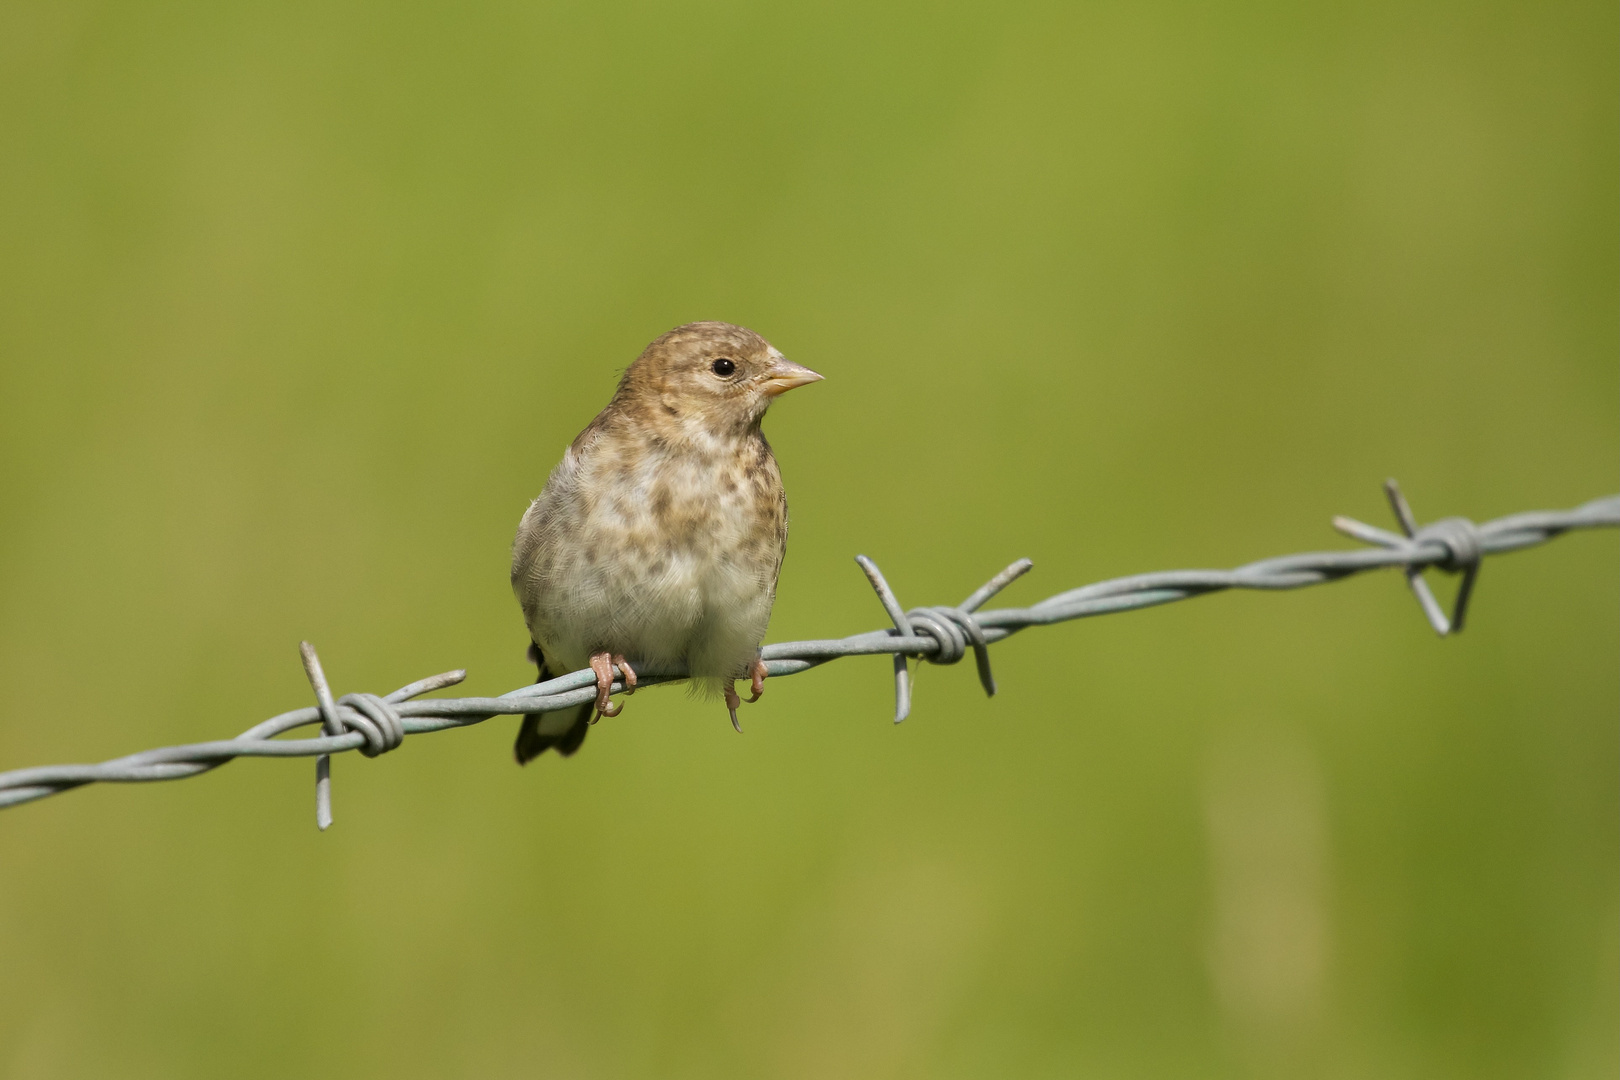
column 941, row 635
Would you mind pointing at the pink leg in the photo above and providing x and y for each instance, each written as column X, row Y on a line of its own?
column 626, row 672
column 756, row 680
column 602, row 665
column 732, row 701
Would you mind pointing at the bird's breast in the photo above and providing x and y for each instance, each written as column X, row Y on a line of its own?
column 671, row 554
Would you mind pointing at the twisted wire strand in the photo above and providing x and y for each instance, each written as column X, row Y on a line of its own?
column 375, row 725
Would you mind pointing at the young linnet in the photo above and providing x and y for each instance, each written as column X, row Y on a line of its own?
column 657, row 540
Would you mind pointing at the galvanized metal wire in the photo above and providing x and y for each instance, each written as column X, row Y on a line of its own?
column 943, row 635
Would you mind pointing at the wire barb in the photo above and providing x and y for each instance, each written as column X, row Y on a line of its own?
column 950, row 629
column 374, row 725
column 1458, row 537
column 902, row 627
column 330, row 725
column 375, row 719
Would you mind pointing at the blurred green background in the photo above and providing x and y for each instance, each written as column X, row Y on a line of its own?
column 299, row 303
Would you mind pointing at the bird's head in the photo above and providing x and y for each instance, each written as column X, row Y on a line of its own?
column 711, row 376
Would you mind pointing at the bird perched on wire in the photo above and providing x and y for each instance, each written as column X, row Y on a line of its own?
column 658, row 538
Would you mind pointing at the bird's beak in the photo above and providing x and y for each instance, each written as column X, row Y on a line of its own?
column 784, row 375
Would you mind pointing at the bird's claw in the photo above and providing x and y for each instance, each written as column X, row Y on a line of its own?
column 756, row 680
column 756, row 686
column 627, row 672
column 602, row 665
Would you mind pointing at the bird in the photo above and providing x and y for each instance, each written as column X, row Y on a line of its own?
column 658, row 539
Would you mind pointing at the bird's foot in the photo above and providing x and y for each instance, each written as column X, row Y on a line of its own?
column 756, row 680
column 627, row 673
column 602, row 665
column 756, row 686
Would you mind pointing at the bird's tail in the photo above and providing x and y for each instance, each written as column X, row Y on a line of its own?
column 540, row 732
column 563, row 730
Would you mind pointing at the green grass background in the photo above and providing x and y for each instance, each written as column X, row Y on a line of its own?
column 300, row 302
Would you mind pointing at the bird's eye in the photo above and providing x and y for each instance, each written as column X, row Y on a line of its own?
column 722, row 367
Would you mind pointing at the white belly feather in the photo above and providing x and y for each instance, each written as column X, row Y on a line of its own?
column 671, row 561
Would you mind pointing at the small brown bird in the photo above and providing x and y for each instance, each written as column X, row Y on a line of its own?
column 658, row 538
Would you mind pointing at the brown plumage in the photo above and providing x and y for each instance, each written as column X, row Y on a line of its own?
column 658, row 538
